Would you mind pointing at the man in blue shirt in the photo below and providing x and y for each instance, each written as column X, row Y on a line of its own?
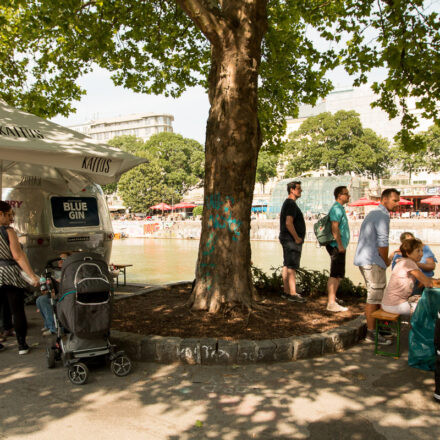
column 372, row 256
column 337, row 247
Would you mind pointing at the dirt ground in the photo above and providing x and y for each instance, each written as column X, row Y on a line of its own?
column 164, row 312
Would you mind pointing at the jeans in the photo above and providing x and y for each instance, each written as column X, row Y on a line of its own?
column 46, row 310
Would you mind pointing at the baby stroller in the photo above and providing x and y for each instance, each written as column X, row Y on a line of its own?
column 82, row 304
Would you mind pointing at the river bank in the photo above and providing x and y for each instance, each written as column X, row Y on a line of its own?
column 428, row 230
column 170, row 260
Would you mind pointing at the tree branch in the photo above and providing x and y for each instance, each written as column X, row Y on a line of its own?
column 206, row 15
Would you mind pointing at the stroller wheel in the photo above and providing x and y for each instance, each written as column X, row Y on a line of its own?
column 121, row 365
column 50, row 357
column 78, row 373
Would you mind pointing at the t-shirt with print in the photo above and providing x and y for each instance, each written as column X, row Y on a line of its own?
column 401, row 283
column 290, row 208
column 337, row 214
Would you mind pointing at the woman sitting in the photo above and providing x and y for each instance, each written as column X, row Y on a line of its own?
column 403, row 278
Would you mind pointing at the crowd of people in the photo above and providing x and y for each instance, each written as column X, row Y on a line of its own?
column 412, row 264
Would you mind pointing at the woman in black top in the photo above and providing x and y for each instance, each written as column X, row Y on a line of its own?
column 12, row 284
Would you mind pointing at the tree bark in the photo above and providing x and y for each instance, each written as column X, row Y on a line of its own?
column 233, row 140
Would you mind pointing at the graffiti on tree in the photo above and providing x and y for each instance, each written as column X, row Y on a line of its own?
column 219, row 219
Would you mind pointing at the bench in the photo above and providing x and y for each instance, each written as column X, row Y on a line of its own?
column 388, row 321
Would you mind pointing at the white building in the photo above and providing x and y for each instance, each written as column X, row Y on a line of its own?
column 141, row 125
column 358, row 99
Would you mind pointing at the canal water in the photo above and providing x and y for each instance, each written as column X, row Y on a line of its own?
column 158, row 261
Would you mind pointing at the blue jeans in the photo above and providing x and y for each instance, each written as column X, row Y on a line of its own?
column 46, row 310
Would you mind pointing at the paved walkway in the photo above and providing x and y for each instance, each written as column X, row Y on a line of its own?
column 352, row 395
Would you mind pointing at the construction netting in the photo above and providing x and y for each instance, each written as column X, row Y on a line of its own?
column 317, row 195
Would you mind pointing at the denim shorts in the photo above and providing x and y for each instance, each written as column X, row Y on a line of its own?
column 291, row 253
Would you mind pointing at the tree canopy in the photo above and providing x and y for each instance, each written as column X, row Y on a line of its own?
column 175, row 165
column 157, row 46
column 427, row 158
column 338, row 142
column 181, row 159
column 266, row 167
column 145, row 186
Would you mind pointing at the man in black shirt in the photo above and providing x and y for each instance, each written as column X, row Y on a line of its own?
column 292, row 233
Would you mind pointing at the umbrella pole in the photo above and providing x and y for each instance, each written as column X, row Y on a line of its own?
column 1, row 180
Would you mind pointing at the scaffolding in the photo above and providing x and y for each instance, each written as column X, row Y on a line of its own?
column 317, row 195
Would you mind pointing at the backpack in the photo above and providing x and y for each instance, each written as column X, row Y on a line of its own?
column 323, row 230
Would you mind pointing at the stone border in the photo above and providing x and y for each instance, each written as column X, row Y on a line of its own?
column 213, row 351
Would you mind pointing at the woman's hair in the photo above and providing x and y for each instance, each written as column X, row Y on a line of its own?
column 405, row 236
column 4, row 207
column 409, row 245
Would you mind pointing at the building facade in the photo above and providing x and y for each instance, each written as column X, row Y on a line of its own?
column 358, row 99
column 141, row 125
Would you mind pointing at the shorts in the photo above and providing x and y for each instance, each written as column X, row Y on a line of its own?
column 291, row 253
column 404, row 308
column 375, row 281
column 337, row 262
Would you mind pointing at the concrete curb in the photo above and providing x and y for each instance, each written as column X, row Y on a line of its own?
column 213, row 351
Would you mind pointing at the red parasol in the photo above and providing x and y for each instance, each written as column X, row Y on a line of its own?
column 161, row 207
column 405, row 202
column 363, row 201
column 184, row 205
column 433, row 201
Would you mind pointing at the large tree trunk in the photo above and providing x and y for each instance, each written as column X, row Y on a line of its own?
column 233, row 139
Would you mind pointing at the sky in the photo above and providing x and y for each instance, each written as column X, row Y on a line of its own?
column 105, row 100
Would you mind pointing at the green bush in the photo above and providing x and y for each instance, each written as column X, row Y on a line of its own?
column 198, row 210
column 309, row 283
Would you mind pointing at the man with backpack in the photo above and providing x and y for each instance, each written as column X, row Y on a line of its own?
column 337, row 247
column 292, row 234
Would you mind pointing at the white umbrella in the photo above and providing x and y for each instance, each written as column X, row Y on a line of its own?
column 34, row 147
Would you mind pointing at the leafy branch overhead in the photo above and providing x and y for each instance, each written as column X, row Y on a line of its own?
column 154, row 47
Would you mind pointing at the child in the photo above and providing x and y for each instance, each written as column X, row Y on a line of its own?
column 43, row 301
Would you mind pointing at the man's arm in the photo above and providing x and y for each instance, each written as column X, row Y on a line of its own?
column 337, row 234
column 383, row 233
column 428, row 265
column 291, row 229
column 383, row 252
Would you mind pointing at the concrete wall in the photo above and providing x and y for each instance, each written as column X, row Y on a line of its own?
column 427, row 230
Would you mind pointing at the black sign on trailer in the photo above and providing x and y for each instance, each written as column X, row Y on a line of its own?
column 68, row 212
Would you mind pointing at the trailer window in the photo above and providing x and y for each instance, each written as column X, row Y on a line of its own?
column 74, row 211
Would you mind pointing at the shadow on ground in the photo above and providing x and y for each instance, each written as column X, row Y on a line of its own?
column 352, row 395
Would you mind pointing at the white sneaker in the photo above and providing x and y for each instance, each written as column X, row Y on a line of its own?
column 335, row 307
column 23, row 349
